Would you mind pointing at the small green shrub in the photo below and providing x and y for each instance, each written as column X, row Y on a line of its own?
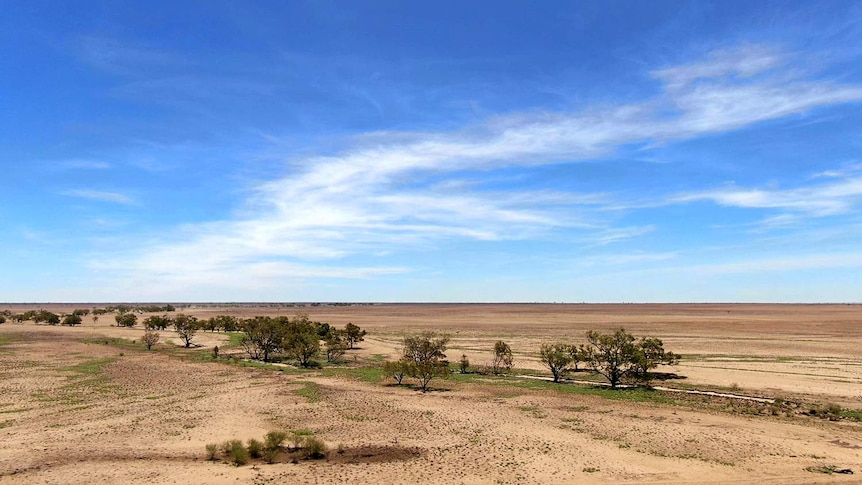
column 298, row 438
column 314, row 448
column 255, row 448
column 212, row 451
column 225, row 448
column 270, row 454
column 274, row 439
column 831, row 411
column 238, row 454
column 464, row 364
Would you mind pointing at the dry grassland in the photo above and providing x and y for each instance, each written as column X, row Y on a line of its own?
column 78, row 406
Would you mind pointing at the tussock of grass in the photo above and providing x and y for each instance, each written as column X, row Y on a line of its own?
column 90, row 367
column 364, row 374
column 310, row 391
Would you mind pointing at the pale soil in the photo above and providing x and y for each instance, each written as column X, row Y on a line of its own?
column 146, row 416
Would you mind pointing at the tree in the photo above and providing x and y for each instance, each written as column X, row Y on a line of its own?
column 264, row 336
column 612, row 355
column 354, row 334
column 579, row 353
column 225, row 323
column 126, row 319
column 336, row 345
column 649, row 354
column 556, row 357
column 156, row 322
column 150, row 338
column 397, row 369
column 302, row 341
column 426, row 354
column 72, row 320
column 186, row 326
column 2, row 319
column 81, row 312
column 95, row 318
column 45, row 316
column 502, row 357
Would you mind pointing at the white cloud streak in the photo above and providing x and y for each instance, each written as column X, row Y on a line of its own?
column 821, row 200
column 84, row 165
column 374, row 197
column 103, row 196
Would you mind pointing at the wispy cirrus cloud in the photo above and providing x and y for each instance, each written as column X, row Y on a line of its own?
column 384, row 193
column 83, row 164
column 819, row 200
column 99, row 195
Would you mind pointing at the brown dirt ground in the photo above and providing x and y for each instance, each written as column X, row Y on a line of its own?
column 73, row 410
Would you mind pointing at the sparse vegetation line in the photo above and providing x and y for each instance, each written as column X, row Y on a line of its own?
column 765, row 400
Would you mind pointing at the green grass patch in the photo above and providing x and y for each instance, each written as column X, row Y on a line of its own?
column 113, row 342
column 252, row 363
column 310, row 391
column 365, row 374
column 637, row 394
column 234, row 339
column 7, row 339
column 90, row 367
column 852, row 414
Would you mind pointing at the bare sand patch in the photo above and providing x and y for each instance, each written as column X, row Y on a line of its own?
column 77, row 411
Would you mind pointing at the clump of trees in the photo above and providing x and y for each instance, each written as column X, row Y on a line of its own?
column 136, row 309
column 39, row 316
column 616, row 356
column 221, row 323
column 156, row 322
column 126, row 320
column 423, row 357
column 297, row 338
column 72, row 320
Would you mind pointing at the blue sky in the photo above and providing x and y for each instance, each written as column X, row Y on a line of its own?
column 445, row 151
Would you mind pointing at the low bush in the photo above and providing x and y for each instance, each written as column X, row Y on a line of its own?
column 212, row 451
column 255, row 448
column 270, row 455
column 238, row 454
column 313, row 448
column 298, row 438
column 274, row 439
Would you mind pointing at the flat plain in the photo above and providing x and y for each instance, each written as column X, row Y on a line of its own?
column 87, row 405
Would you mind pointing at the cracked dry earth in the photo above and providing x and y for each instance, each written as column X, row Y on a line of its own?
column 76, row 412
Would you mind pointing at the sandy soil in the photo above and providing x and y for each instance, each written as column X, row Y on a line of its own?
column 74, row 410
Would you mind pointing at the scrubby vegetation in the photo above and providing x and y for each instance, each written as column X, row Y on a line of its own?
column 305, row 446
column 616, row 356
column 150, row 338
column 503, row 360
